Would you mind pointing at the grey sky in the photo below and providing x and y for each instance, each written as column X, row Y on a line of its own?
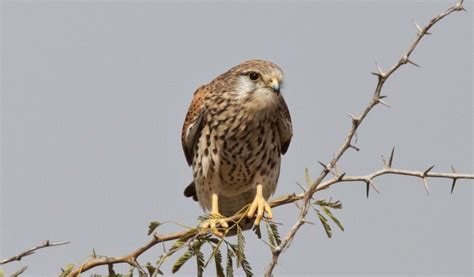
column 94, row 95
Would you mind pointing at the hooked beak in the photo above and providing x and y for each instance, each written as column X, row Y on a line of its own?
column 274, row 85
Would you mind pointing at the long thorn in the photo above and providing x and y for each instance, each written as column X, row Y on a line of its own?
column 425, row 182
column 379, row 69
column 428, row 170
column 301, row 187
column 340, row 177
column 383, row 103
column 325, row 167
column 412, row 62
column 452, row 186
column 417, row 26
column 372, row 184
column 355, row 120
column 354, row 147
column 390, row 160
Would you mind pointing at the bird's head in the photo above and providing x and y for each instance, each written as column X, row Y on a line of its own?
column 256, row 81
column 260, row 75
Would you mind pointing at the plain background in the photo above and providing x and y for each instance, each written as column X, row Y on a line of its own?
column 94, row 95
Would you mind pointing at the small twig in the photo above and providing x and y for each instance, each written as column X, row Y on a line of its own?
column 28, row 252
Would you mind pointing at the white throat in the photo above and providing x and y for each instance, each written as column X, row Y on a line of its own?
column 257, row 100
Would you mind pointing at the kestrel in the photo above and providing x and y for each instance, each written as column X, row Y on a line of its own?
column 236, row 129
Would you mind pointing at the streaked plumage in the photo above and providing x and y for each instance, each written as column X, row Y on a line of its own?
column 234, row 134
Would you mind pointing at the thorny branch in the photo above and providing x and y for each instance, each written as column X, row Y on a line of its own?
column 132, row 257
column 356, row 122
column 28, row 252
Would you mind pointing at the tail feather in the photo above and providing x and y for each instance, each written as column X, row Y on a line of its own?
column 190, row 191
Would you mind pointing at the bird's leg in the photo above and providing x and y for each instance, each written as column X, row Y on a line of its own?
column 260, row 206
column 216, row 218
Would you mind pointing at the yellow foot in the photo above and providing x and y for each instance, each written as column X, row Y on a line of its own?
column 215, row 222
column 259, row 205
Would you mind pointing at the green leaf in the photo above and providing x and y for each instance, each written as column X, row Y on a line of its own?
column 199, row 258
column 329, row 204
column 2, row 273
column 257, row 231
column 246, row 266
column 151, row 269
column 175, row 247
column 204, row 217
column 153, row 225
column 325, row 224
column 240, row 247
column 229, row 272
column 275, row 233
column 215, row 244
column 193, row 250
column 180, row 242
column 307, row 177
column 328, row 213
column 218, row 261
column 182, row 260
column 240, row 253
column 271, row 236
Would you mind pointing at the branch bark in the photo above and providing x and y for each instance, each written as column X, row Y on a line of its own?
column 28, row 252
column 132, row 257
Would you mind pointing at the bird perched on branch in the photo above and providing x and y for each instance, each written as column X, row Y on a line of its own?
column 236, row 129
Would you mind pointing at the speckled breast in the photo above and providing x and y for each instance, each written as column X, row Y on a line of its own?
column 236, row 151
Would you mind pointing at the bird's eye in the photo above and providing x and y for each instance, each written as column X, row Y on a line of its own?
column 253, row 75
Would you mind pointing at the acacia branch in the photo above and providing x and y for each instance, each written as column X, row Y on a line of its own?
column 28, row 252
column 356, row 121
column 318, row 184
column 132, row 257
